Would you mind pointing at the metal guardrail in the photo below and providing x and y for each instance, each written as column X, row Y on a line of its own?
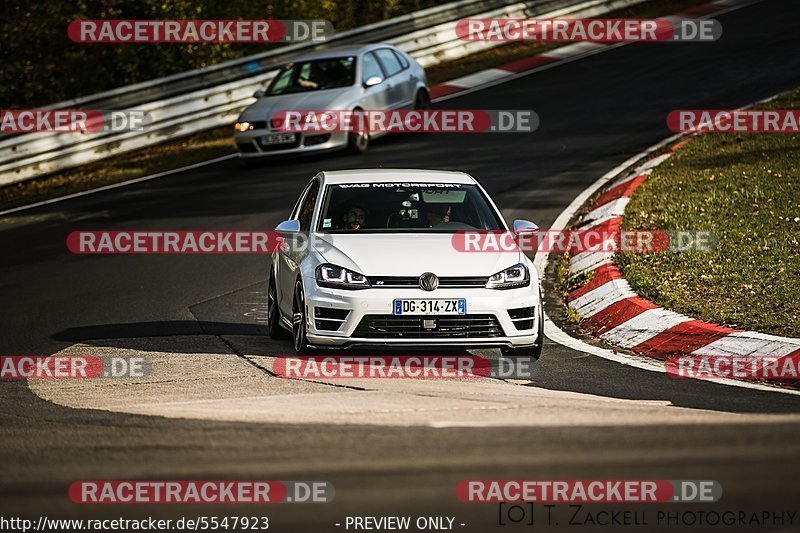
column 197, row 100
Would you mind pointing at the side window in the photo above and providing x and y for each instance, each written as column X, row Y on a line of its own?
column 389, row 61
column 306, row 210
column 370, row 67
column 281, row 81
column 296, row 209
column 402, row 58
column 306, row 73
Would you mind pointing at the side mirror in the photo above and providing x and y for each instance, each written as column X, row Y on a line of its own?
column 288, row 226
column 374, row 80
column 524, row 226
column 258, row 94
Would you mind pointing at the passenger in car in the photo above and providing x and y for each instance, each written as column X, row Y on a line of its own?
column 355, row 218
column 437, row 214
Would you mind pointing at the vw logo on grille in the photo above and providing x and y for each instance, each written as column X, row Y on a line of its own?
column 428, row 281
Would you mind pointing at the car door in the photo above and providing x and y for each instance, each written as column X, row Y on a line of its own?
column 401, row 92
column 408, row 78
column 291, row 256
column 376, row 97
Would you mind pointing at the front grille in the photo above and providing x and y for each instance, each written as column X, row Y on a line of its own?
column 328, row 318
column 394, row 282
column 331, row 312
column 259, row 124
column 246, row 148
column 408, row 327
column 522, row 317
column 311, row 140
column 327, row 325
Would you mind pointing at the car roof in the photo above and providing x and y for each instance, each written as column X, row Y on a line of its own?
column 340, row 51
column 401, row 175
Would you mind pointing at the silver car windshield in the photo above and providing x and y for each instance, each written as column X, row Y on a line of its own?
column 406, row 208
column 314, row 75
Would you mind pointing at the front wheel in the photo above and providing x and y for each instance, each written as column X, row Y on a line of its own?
column 358, row 141
column 422, row 101
column 299, row 338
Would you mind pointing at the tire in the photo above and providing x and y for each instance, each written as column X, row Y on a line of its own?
column 422, row 100
column 276, row 331
column 357, row 142
column 299, row 338
column 535, row 351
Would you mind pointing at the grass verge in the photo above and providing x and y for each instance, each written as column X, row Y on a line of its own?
column 217, row 142
column 746, row 189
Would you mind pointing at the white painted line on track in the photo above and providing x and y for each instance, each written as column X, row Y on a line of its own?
column 478, row 78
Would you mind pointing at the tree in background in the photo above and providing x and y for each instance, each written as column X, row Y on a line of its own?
column 41, row 65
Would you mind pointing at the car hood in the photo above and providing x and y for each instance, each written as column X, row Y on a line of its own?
column 264, row 108
column 411, row 255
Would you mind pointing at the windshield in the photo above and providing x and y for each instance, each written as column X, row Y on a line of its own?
column 314, row 76
column 405, row 207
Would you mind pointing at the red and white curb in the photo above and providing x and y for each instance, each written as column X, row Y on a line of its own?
column 500, row 74
column 611, row 310
column 562, row 54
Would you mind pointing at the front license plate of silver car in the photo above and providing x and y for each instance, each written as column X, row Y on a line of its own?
column 278, row 138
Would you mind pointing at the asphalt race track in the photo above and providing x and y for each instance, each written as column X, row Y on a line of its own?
column 390, row 448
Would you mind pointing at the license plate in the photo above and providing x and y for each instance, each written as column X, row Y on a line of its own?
column 278, row 138
column 454, row 306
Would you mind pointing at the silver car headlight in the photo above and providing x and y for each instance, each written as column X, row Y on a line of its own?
column 336, row 277
column 510, row 278
column 243, row 126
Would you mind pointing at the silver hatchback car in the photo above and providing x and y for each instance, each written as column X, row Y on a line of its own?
column 353, row 78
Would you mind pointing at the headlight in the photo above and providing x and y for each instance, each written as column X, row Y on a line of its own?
column 510, row 278
column 243, row 126
column 336, row 277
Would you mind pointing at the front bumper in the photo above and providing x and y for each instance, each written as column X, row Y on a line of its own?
column 249, row 143
column 375, row 302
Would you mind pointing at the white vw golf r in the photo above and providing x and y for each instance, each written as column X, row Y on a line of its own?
column 382, row 269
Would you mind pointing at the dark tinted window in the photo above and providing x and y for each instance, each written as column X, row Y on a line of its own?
column 315, row 75
column 407, row 207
